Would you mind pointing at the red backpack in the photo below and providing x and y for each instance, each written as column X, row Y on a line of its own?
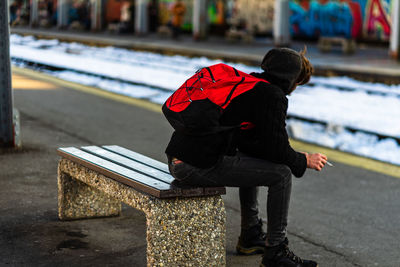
column 197, row 106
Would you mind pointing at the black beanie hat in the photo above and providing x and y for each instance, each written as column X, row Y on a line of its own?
column 283, row 65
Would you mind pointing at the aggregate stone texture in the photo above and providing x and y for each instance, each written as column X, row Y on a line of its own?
column 77, row 200
column 180, row 231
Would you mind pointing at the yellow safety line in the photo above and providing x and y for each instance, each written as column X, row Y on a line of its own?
column 23, row 83
column 333, row 155
column 349, row 159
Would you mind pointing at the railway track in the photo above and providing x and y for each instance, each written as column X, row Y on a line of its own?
column 50, row 68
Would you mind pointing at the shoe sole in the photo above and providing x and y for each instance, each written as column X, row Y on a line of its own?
column 249, row 251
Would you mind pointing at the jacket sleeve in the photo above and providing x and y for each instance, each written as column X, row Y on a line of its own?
column 269, row 139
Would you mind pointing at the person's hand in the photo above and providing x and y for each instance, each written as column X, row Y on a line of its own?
column 316, row 161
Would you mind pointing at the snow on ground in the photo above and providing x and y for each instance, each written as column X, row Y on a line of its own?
column 338, row 101
column 356, row 109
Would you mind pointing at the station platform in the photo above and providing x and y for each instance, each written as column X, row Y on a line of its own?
column 343, row 216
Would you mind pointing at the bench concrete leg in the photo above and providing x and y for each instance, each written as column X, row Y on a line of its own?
column 186, row 232
column 77, row 200
column 180, row 231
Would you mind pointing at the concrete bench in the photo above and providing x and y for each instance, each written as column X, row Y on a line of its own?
column 348, row 45
column 185, row 226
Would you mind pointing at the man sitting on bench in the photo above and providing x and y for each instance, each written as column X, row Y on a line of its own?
column 265, row 157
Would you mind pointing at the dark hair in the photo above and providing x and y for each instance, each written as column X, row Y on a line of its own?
column 306, row 68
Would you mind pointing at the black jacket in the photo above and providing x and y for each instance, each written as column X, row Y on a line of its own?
column 265, row 106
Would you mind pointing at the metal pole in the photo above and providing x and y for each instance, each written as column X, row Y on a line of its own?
column 94, row 15
column 395, row 31
column 141, row 17
column 199, row 19
column 282, row 23
column 63, row 10
column 97, row 8
column 6, row 103
column 34, row 17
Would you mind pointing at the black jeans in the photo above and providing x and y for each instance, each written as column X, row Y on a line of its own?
column 247, row 173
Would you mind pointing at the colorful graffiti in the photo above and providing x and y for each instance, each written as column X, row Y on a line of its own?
column 216, row 12
column 164, row 12
column 350, row 18
column 255, row 14
column 377, row 19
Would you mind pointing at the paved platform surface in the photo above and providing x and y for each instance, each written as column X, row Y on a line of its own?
column 342, row 216
column 369, row 62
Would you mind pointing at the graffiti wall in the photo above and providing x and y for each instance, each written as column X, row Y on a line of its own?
column 165, row 15
column 256, row 14
column 366, row 19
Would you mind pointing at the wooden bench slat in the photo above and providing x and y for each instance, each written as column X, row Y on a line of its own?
column 206, row 191
column 124, row 175
column 138, row 157
column 129, row 163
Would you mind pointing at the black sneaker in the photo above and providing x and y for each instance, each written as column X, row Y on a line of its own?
column 252, row 241
column 281, row 256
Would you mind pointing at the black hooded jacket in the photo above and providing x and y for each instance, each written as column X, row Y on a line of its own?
column 265, row 106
